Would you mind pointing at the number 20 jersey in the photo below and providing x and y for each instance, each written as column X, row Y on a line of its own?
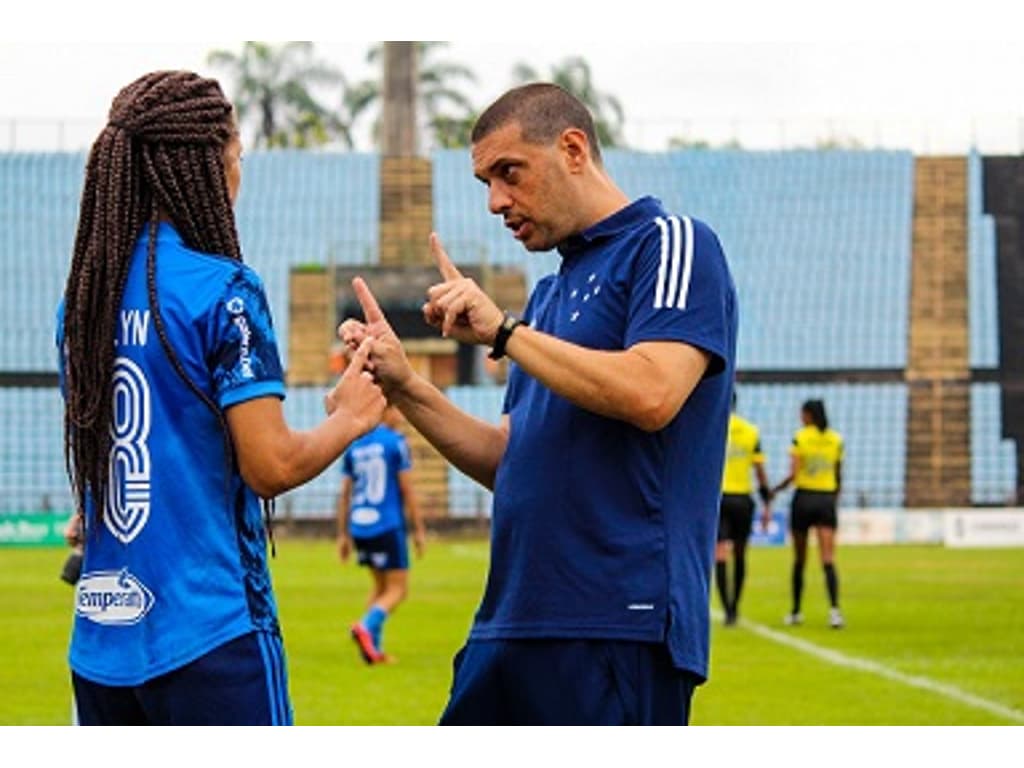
column 178, row 565
column 373, row 462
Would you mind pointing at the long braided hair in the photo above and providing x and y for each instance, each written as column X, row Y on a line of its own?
column 160, row 157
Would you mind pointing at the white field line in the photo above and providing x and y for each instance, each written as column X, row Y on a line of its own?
column 874, row 668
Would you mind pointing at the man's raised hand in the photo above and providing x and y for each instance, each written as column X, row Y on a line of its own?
column 458, row 306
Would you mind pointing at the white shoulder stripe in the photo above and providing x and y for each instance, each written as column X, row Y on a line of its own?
column 673, row 275
column 659, row 285
column 684, row 288
column 669, row 289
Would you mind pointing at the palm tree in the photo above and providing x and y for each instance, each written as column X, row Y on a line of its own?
column 574, row 75
column 443, row 107
column 272, row 93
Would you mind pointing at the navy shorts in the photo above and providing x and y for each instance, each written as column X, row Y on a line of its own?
column 242, row 682
column 387, row 552
column 735, row 517
column 812, row 508
column 567, row 682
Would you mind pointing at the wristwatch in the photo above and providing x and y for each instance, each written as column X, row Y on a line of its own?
column 509, row 324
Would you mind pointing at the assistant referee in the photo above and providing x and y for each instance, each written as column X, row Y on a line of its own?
column 816, row 470
column 736, row 512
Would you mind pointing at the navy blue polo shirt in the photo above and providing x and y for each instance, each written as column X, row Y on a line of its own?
column 601, row 530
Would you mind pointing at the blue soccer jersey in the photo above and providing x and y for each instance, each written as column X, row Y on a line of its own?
column 602, row 530
column 178, row 564
column 372, row 463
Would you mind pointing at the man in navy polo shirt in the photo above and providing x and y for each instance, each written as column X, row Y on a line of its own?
column 607, row 465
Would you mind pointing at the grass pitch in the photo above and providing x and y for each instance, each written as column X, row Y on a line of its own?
column 934, row 637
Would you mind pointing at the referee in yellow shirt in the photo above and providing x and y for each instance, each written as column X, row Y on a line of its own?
column 736, row 513
column 816, row 469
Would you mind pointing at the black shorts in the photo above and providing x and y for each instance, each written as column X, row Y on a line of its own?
column 812, row 508
column 736, row 517
column 388, row 551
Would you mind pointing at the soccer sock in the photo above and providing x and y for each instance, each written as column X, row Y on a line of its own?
column 832, row 582
column 739, row 576
column 798, row 585
column 721, row 579
column 374, row 623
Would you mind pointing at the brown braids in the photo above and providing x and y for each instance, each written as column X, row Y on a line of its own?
column 159, row 156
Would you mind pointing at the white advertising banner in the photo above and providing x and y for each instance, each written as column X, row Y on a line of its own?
column 984, row 528
column 884, row 525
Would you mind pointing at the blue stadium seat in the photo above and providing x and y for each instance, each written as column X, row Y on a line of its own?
column 819, row 244
column 32, row 475
column 981, row 272
column 993, row 458
column 870, row 417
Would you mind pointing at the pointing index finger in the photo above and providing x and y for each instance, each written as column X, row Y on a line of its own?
column 444, row 264
column 371, row 309
column 358, row 362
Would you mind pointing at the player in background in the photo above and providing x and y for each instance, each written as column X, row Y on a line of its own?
column 376, row 495
column 742, row 456
column 816, row 458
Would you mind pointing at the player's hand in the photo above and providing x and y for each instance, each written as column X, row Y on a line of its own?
column 419, row 540
column 351, row 332
column 387, row 361
column 458, row 306
column 344, row 548
column 73, row 531
column 766, row 519
column 356, row 394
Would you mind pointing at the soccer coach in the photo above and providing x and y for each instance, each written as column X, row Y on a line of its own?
column 607, row 465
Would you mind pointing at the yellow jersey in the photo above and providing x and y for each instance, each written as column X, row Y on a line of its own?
column 742, row 452
column 819, row 454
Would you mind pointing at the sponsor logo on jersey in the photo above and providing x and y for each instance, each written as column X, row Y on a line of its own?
column 112, row 598
column 236, row 307
column 365, row 515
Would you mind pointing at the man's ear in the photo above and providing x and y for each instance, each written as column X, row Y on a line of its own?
column 575, row 149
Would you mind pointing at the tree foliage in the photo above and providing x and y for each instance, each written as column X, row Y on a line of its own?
column 446, row 113
column 273, row 97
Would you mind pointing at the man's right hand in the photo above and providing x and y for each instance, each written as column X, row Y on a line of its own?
column 458, row 307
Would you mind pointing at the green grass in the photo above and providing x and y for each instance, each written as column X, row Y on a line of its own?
column 955, row 617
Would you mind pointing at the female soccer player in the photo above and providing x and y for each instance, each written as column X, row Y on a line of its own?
column 174, row 427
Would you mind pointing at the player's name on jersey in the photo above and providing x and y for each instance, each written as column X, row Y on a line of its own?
column 133, row 330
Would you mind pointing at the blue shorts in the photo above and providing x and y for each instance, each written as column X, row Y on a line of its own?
column 567, row 682
column 387, row 552
column 242, row 682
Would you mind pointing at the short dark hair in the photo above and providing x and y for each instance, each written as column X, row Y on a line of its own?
column 543, row 111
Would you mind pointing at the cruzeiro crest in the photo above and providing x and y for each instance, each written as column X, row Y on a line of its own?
column 128, row 491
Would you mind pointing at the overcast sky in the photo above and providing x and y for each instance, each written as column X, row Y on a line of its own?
column 938, row 92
